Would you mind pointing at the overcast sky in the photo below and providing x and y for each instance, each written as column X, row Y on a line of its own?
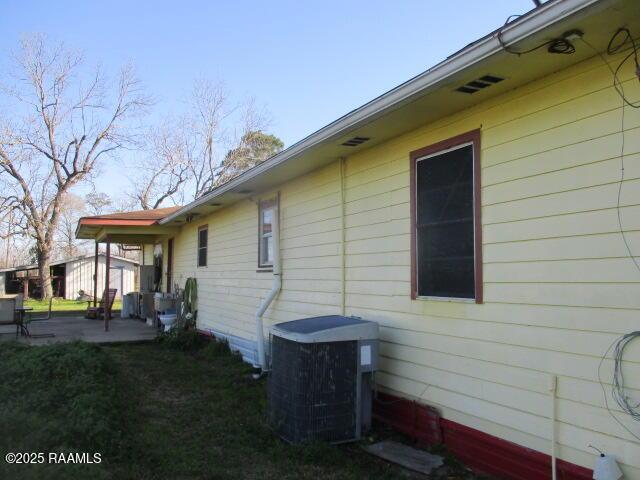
column 307, row 62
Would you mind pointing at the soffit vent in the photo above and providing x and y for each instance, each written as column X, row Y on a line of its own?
column 479, row 84
column 355, row 141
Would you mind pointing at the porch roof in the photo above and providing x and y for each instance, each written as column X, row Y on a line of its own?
column 136, row 227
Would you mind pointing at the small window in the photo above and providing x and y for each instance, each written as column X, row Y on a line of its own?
column 203, row 233
column 446, row 243
column 265, row 233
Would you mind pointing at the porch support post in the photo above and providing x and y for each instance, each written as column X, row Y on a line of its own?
column 107, row 302
column 95, row 278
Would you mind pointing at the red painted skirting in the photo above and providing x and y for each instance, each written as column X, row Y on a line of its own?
column 205, row 333
column 480, row 451
column 415, row 420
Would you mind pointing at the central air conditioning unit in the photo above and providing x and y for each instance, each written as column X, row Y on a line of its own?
column 320, row 385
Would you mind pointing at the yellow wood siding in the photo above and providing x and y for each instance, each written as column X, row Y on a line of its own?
column 558, row 284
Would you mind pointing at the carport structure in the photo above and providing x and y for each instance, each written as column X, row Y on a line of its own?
column 131, row 229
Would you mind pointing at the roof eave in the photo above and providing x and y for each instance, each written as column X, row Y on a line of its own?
column 529, row 24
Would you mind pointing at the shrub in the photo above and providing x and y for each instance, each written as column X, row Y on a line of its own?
column 183, row 340
column 217, row 349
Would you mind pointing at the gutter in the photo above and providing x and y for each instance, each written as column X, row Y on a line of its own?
column 525, row 26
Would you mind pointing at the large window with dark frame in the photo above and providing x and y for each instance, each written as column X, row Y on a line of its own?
column 445, row 248
column 265, row 233
column 203, row 240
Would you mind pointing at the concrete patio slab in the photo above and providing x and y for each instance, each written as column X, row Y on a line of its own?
column 71, row 328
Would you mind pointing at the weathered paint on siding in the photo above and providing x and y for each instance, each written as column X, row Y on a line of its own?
column 558, row 285
column 79, row 276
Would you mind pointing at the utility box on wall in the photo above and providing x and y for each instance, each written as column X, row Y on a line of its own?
column 320, row 385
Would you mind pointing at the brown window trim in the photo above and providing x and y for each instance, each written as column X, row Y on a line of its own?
column 206, row 257
column 273, row 201
column 468, row 137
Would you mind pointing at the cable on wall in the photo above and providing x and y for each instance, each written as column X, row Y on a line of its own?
column 621, row 38
column 617, row 387
column 613, row 49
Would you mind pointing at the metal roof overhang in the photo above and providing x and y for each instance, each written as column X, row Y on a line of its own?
column 431, row 95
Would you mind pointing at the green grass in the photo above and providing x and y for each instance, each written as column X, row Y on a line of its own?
column 62, row 305
column 154, row 411
column 61, row 398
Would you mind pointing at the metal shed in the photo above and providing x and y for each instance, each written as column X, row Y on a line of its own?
column 72, row 275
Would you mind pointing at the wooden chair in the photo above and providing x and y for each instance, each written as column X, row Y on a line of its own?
column 108, row 297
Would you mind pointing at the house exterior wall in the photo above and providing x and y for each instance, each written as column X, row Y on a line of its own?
column 559, row 287
column 79, row 276
column 146, row 258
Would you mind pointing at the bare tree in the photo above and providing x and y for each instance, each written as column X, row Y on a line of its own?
column 209, row 108
column 97, row 203
column 209, row 145
column 59, row 124
column 250, row 147
column 165, row 170
column 12, row 227
column 71, row 209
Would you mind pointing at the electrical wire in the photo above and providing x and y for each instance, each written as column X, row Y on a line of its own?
column 617, row 83
column 618, row 389
column 604, row 391
column 555, row 45
column 617, row 42
column 612, row 50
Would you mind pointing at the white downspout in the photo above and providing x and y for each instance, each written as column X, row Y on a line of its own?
column 275, row 289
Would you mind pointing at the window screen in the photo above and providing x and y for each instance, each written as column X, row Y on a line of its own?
column 445, row 224
column 203, row 233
